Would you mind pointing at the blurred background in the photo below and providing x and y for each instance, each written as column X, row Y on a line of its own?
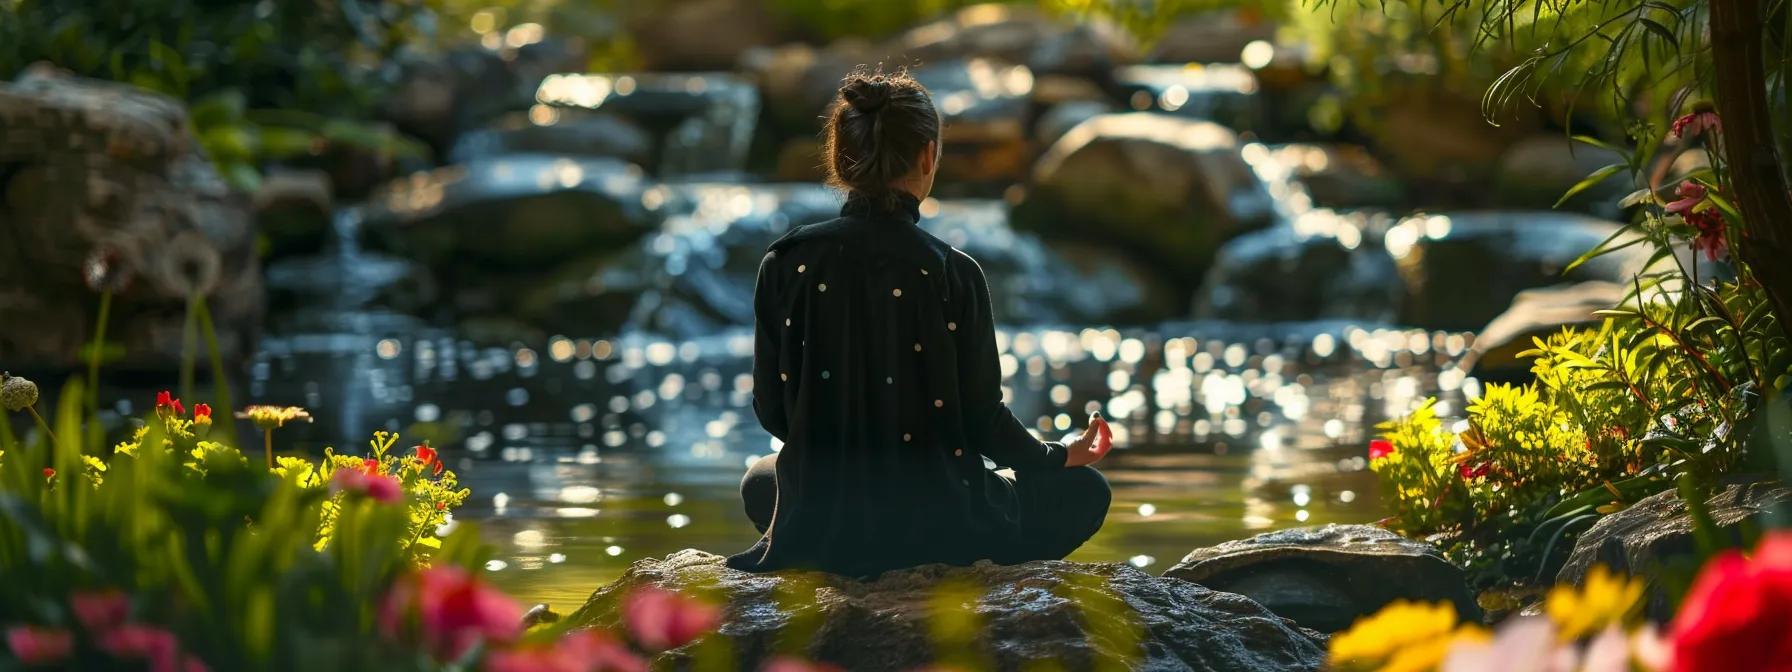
column 526, row 231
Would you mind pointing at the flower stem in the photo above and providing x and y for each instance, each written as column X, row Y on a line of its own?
column 41, row 424
column 267, row 445
column 93, row 358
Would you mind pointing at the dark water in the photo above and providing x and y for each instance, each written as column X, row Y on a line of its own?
column 585, row 455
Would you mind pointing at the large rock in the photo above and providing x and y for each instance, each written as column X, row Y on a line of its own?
column 1655, row 535
column 1327, row 577
column 1323, row 265
column 1169, row 190
column 1538, row 170
column 515, row 211
column 1079, row 616
column 571, row 132
column 1535, row 314
column 1462, row 269
column 102, row 184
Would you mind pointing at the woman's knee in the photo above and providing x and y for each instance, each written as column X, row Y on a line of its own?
column 759, row 491
column 1091, row 489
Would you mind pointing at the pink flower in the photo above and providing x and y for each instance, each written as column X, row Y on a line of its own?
column 1738, row 612
column 662, row 620
column 1380, row 448
column 39, row 646
column 452, row 609
column 1703, row 117
column 1691, row 195
column 1524, row 644
column 142, row 642
column 582, row 651
column 793, row 664
column 100, row 610
column 1710, row 237
column 378, row 487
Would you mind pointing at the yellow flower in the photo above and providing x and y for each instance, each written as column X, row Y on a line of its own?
column 273, row 417
column 1389, row 633
column 1606, row 598
column 1427, row 655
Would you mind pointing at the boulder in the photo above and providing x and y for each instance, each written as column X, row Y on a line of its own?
column 1060, row 118
column 702, row 122
column 700, row 34
column 1535, row 314
column 1437, row 140
column 1445, row 260
column 103, row 186
column 1653, row 538
column 1166, row 189
column 1225, row 93
column 1322, row 265
column 1326, row 577
column 513, row 212
column 1537, row 171
column 1080, row 616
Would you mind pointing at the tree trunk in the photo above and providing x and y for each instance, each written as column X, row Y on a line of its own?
column 1758, row 185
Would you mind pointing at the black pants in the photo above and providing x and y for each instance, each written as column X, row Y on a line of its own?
column 1059, row 509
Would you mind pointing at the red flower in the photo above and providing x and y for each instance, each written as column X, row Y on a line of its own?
column 1702, row 117
column 142, row 642
column 1739, row 611
column 35, row 646
column 662, row 620
column 49, row 472
column 164, row 400
column 1380, row 448
column 1691, row 195
column 1469, row 472
column 1710, row 238
column 452, row 610
column 100, row 610
column 429, row 457
column 378, row 487
column 202, row 414
column 582, row 651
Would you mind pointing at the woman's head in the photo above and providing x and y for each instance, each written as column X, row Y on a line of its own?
column 883, row 136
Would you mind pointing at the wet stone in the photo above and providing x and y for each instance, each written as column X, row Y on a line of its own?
column 1322, row 265
column 1029, row 612
column 1223, row 93
column 1326, row 577
column 703, row 122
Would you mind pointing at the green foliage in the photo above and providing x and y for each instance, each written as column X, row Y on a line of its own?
column 206, row 544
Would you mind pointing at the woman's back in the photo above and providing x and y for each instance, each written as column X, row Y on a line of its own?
column 875, row 363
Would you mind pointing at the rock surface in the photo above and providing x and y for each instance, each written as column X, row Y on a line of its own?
column 1081, row 616
column 102, row 184
column 1326, row 577
column 1535, row 313
column 1656, row 535
column 1168, row 190
column 1537, row 171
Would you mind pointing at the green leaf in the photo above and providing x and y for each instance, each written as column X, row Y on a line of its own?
column 1662, row 32
column 1589, row 182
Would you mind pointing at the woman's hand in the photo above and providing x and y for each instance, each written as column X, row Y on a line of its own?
column 1094, row 443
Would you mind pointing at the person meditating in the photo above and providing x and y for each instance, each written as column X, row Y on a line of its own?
column 875, row 362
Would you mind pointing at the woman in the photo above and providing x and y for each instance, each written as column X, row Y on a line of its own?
column 875, row 363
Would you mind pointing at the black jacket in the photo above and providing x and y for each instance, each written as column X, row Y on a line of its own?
column 875, row 363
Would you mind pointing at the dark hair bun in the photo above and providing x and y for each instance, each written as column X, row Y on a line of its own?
column 866, row 94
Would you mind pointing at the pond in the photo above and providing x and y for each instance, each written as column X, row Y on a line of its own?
column 585, row 455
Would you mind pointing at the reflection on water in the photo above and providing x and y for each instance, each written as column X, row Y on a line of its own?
column 589, row 454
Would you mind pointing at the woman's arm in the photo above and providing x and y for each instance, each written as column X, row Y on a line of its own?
column 768, row 382
column 992, row 428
